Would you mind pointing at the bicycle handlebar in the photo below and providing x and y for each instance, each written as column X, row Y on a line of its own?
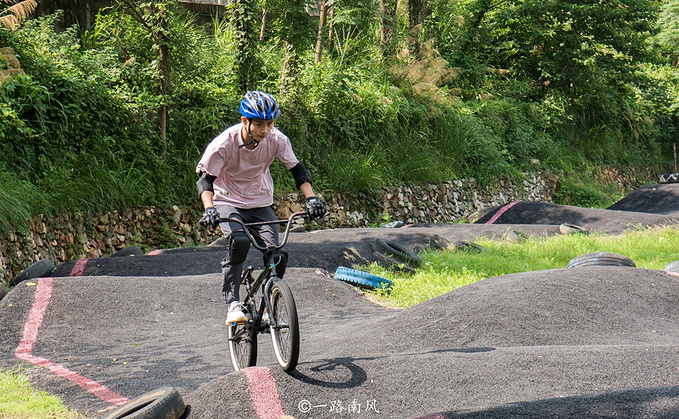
column 246, row 229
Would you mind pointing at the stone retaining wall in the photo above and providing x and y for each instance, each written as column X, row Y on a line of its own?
column 87, row 235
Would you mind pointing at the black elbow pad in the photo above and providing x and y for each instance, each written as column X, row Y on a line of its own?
column 301, row 174
column 205, row 182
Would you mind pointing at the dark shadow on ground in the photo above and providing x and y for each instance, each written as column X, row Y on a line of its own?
column 653, row 402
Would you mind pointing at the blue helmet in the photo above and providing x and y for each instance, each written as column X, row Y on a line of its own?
column 259, row 105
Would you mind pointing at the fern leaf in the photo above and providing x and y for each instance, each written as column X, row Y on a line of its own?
column 12, row 16
column 9, row 21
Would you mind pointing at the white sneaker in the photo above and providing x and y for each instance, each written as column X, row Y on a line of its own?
column 236, row 314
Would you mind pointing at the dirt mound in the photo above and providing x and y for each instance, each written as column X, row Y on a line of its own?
column 602, row 220
column 534, row 344
column 652, row 199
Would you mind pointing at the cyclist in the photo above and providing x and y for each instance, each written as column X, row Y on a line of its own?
column 235, row 182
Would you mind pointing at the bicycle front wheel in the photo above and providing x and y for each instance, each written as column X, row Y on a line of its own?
column 242, row 345
column 284, row 326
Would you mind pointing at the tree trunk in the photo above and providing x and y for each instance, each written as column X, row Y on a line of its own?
column 387, row 15
column 289, row 72
column 243, row 33
column 481, row 8
column 331, row 26
column 165, row 87
column 321, row 32
column 262, row 30
column 417, row 12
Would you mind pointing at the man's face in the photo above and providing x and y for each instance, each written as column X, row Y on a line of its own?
column 259, row 128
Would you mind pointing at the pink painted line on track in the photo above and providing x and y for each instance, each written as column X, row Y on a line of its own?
column 79, row 267
column 41, row 299
column 263, row 392
column 154, row 252
column 501, row 211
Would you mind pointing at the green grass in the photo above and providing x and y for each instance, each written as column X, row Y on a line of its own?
column 445, row 270
column 19, row 400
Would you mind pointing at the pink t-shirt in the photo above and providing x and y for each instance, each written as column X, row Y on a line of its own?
column 243, row 177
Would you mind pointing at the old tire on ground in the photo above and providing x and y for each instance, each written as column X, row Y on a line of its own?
column 165, row 402
column 567, row 228
column 362, row 279
column 467, row 246
column 601, row 259
column 671, row 268
column 397, row 252
column 516, row 237
column 39, row 269
column 390, row 262
column 669, row 178
column 128, row 251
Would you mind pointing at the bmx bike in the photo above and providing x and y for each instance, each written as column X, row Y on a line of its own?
column 272, row 310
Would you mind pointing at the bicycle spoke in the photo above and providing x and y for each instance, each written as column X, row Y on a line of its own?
column 242, row 346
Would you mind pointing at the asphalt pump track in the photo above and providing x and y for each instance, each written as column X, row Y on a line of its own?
column 589, row 342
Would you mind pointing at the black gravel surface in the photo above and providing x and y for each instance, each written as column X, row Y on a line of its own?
column 652, row 199
column 325, row 249
column 610, row 221
column 590, row 342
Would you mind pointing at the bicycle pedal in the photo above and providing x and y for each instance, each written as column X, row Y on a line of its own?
column 238, row 323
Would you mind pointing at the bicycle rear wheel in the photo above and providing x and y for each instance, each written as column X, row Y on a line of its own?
column 242, row 345
column 284, row 326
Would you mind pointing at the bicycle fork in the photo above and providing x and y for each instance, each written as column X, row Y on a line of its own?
column 260, row 318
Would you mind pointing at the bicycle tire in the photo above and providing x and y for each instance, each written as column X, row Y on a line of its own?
column 284, row 326
column 398, row 252
column 242, row 340
column 362, row 279
column 164, row 402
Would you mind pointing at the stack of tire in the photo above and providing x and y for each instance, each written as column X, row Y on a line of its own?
column 40, row 269
column 393, row 255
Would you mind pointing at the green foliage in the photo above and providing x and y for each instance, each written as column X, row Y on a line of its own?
column 569, row 84
column 517, row 125
column 576, row 57
column 574, row 190
column 14, row 208
column 667, row 37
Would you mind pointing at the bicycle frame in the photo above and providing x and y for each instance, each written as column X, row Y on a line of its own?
column 268, row 251
column 276, row 299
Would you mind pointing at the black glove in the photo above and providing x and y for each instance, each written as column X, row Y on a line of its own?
column 210, row 218
column 315, row 207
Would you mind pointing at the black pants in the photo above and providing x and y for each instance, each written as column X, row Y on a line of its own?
column 264, row 235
